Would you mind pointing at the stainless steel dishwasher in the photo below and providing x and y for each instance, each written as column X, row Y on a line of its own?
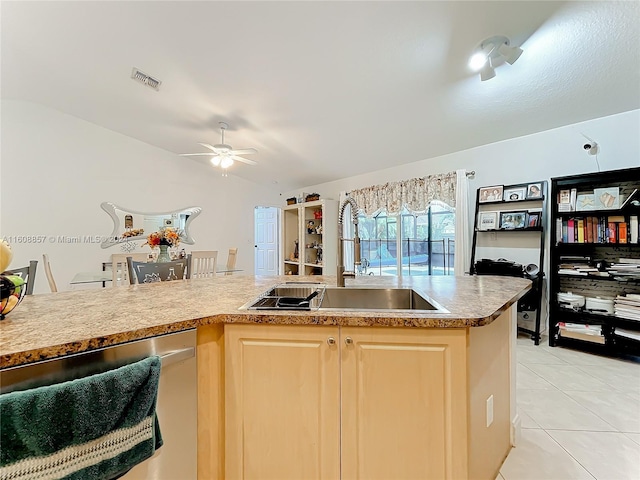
column 177, row 395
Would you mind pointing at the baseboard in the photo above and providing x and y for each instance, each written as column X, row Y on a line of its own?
column 516, row 429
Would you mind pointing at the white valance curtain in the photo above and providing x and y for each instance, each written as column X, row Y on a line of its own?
column 415, row 194
column 449, row 190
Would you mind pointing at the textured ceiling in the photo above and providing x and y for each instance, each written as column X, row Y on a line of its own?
column 323, row 90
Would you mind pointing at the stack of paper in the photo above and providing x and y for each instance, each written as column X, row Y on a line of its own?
column 627, row 306
column 581, row 331
column 627, row 333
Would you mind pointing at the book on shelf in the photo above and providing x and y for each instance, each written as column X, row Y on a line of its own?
column 635, row 261
column 580, row 222
column 623, row 332
column 575, row 258
column 571, row 233
column 592, row 229
column 571, row 271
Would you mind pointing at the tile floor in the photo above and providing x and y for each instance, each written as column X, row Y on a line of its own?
column 580, row 416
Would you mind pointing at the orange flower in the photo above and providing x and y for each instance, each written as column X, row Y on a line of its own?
column 166, row 236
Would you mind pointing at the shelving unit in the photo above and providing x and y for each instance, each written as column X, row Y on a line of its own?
column 590, row 246
column 316, row 242
column 522, row 240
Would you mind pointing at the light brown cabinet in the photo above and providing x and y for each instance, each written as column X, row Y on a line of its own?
column 282, row 397
column 309, row 402
column 356, row 403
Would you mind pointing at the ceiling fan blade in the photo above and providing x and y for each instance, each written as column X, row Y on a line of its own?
column 244, row 160
column 210, row 147
column 195, row 154
column 244, row 151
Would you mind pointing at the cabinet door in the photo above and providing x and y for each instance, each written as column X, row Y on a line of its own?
column 282, row 402
column 404, row 407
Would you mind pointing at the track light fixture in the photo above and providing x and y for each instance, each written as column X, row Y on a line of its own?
column 491, row 53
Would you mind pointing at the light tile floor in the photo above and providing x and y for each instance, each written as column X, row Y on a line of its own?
column 580, row 416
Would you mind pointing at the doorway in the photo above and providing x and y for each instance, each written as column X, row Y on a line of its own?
column 266, row 240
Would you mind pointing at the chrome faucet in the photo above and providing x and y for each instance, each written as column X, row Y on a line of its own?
column 356, row 241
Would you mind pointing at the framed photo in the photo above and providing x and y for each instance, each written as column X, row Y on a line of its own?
column 533, row 219
column 487, row 221
column 512, row 194
column 607, row 198
column 512, row 220
column 491, row 194
column 534, row 190
column 585, row 201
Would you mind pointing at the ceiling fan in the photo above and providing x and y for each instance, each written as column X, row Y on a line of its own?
column 224, row 155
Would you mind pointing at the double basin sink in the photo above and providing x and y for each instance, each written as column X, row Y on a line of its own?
column 292, row 296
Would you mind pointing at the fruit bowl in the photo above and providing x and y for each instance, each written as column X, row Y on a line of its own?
column 12, row 291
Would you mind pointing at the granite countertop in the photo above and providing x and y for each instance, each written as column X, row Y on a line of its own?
column 53, row 325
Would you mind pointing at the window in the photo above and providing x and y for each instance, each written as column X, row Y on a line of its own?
column 426, row 243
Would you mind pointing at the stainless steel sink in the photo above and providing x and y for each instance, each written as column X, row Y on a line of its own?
column 344, row 299
column 273, row 299
column 381, row 299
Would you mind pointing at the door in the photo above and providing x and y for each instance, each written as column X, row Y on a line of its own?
column 403, row 403
column 266, row 240
column 282, row 401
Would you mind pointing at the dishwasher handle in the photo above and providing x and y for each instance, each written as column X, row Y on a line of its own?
column 177, row 356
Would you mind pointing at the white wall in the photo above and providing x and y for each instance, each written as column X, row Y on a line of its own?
column 56, row 170
column 540, row 156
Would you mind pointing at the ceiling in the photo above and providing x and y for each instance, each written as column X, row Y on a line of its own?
column 323, row 90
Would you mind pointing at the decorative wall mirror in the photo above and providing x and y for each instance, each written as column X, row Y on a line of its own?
column 129, row 225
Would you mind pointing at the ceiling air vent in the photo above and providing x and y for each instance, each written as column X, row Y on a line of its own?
column 142, row 77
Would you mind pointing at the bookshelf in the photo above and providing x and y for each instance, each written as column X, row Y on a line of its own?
column 595, row 261
column 309, row 233
column 510, row 221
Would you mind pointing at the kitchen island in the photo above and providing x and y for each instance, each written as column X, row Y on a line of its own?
column 315, row 394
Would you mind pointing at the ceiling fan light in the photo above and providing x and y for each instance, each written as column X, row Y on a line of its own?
column 510, row 54
column 226, row 162
column 215, row 160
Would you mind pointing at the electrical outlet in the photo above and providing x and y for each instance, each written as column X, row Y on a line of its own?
column 489, row 410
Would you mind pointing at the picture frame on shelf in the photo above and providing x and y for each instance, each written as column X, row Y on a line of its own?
column 585, row 202
column 513, row 220
column 533, row 220
column 487, row 221
column 534, row 191
column 514, row 194
column 607, row 198
column 564, row 200
column 490, row 194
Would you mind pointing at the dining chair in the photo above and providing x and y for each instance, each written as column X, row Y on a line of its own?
column 120, row 272
column 202, row 263
column 143, row 272
column 231, row 260
column 48, row 273
column 28, row 274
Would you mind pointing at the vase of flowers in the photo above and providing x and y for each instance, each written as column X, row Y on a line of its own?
column 163, row 239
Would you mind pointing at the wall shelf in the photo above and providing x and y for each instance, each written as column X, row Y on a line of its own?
column 529, row 207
